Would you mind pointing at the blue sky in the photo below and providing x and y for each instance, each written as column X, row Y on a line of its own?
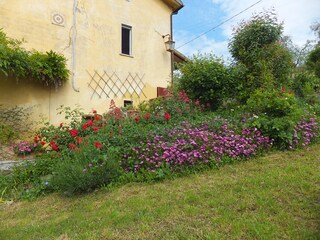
column 198, row 16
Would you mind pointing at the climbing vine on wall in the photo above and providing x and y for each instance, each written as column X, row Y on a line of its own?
column 48, row 69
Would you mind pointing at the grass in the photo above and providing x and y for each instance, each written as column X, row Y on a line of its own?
column 271, row 197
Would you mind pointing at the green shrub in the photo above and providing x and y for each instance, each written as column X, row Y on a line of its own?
column 275, row 113
column 177, row 104
column 89, row 168
column 306, row 85
column 47, row 69
column 272, row 103
column 206, row 79
column 260, row 58
column 313, row 61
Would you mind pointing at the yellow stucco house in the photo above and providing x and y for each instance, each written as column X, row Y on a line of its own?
column 115, row 50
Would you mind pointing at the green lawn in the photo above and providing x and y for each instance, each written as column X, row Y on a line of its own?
column 273, row 197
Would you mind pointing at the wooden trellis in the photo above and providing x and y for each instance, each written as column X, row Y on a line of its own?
column 111, row 86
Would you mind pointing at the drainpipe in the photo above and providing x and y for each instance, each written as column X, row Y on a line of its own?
column 175, row 12
column 171, row 53
column 74, row 33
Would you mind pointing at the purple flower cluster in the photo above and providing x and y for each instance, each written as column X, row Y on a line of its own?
column 187, row 145
column 304, row 132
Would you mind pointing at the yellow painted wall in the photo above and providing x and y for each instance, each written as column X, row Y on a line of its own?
column 97, row 50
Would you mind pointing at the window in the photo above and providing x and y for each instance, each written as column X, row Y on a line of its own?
column 126, row 39
column 127, row 103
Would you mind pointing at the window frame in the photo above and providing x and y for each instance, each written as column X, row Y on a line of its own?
column 127, row 27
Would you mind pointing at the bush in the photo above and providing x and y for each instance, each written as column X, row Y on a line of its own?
column 259, row 55
column 306, row 85
column 176, row 106
column 205, row 79
column 89, row 168
column 313, row 61
column 275, row 113
column 47, row 69
column 273, row 103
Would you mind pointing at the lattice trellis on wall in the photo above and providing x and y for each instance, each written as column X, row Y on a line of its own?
column 112, row 86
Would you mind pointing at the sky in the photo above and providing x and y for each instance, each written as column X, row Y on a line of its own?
column 199, row 16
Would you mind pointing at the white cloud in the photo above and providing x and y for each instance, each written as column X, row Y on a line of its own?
column 297, row 15
column 202, row 44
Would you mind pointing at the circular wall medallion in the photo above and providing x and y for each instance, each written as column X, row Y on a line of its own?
column 58, row 19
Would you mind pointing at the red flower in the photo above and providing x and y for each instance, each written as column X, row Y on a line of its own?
column 61, row 124
column 56, row 137
column 73, row 132
column 72, row 146
column 84, row 126
column 79, row 140
column 43, row 143
column 290, row 92
column 147, row 116
column 94, row 111
column 96, row 129
column 90, row 123
column 98, row 145
column 136, row 119
column 97, row 117
column 283, row 89
column 110, row 134
column 167, row 116
column 36, row 139
column 54, row 146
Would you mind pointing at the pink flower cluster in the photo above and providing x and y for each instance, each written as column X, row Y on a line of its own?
column 187, row 145
column 24, row 148
column 304, row 132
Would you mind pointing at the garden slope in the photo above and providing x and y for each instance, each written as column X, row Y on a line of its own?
column 273, row 197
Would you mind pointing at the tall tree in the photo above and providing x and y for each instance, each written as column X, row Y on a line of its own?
column 256, row 46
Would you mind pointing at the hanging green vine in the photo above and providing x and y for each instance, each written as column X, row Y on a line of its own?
column 48, row 69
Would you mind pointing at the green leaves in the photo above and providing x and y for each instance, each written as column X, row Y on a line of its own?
column 261, row 30
column 205, row 78
column 259, row 55
column 48, row 69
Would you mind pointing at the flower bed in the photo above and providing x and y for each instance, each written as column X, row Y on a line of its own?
column 186, row 145
column 167, row 136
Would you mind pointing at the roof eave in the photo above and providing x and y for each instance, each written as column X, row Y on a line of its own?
column 178, row 57
column 176, row 5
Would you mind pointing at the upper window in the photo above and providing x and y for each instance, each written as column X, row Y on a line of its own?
column 126, row 39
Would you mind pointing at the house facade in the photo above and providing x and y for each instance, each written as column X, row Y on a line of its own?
column 115, row 50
